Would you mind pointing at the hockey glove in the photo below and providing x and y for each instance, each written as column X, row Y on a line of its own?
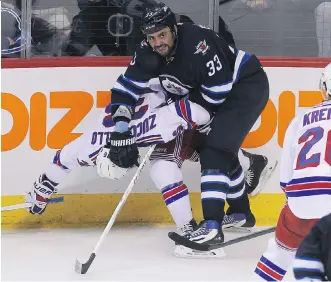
column 123, row 150
column 42, row 191
column 117, row 157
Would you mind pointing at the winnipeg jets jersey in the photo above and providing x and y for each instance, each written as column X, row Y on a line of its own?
column 204, row 68
column 305, row 171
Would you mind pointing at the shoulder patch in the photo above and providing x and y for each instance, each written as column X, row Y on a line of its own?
column 202, row 48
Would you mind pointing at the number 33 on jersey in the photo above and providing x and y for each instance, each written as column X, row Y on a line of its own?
column 305, row 169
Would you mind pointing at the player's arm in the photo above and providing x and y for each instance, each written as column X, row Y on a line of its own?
column 131, row 85
column 122, row 150
column 308, row 264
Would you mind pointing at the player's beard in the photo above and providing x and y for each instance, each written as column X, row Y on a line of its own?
column 163, row 50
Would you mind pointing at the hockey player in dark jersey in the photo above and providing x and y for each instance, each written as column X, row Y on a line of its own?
column 313, row 258
column 193, row 61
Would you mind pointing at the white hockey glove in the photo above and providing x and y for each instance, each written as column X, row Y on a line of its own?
column 43, row 189
column 106, row 168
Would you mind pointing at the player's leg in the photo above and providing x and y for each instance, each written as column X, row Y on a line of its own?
column 290, row 232
column 219, row 155
column 169, row 157
column 83, row 151
column 168, row 177
column 238, row 215
column 257, row 171
column 165, row 171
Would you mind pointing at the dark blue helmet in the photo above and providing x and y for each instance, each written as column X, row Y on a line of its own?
column 157, row 18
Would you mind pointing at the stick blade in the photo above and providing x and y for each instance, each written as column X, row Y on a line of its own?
column 190, row 244
column 82, row 268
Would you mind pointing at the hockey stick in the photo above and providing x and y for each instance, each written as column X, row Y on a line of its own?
column 82, row 268
column 248, row 237
column 28, row 205
column 200, row 247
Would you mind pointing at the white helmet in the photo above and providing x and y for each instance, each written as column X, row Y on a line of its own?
column 325, row 82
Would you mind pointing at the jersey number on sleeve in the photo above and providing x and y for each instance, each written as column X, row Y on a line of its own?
column 211, row 65
column 311, row 137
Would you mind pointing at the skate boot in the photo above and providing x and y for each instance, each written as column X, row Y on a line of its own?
column 188, row 228
column 238, row 222
column 258, row 173
column 208, row 232
column 250, row 222
column 233, row 220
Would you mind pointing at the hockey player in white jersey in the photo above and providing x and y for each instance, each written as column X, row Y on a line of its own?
column 152, row 124
column 305, row 177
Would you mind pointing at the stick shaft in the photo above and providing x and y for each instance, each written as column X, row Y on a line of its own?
column 248, row 237
column 28, row 205
column 122, row 201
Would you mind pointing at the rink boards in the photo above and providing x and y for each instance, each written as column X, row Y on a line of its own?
column 48, row 103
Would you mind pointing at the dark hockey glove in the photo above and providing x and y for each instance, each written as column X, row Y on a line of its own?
column 123, row 150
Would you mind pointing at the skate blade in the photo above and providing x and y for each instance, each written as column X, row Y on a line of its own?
column 265, row 175
column 184, row 252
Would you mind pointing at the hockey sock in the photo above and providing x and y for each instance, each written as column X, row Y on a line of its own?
column 177, row 199
column 214, row 187
column 237, row 196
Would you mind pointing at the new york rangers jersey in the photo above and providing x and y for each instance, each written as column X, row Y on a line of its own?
column 305, row 170
column 153, row 122
column 156, row 122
